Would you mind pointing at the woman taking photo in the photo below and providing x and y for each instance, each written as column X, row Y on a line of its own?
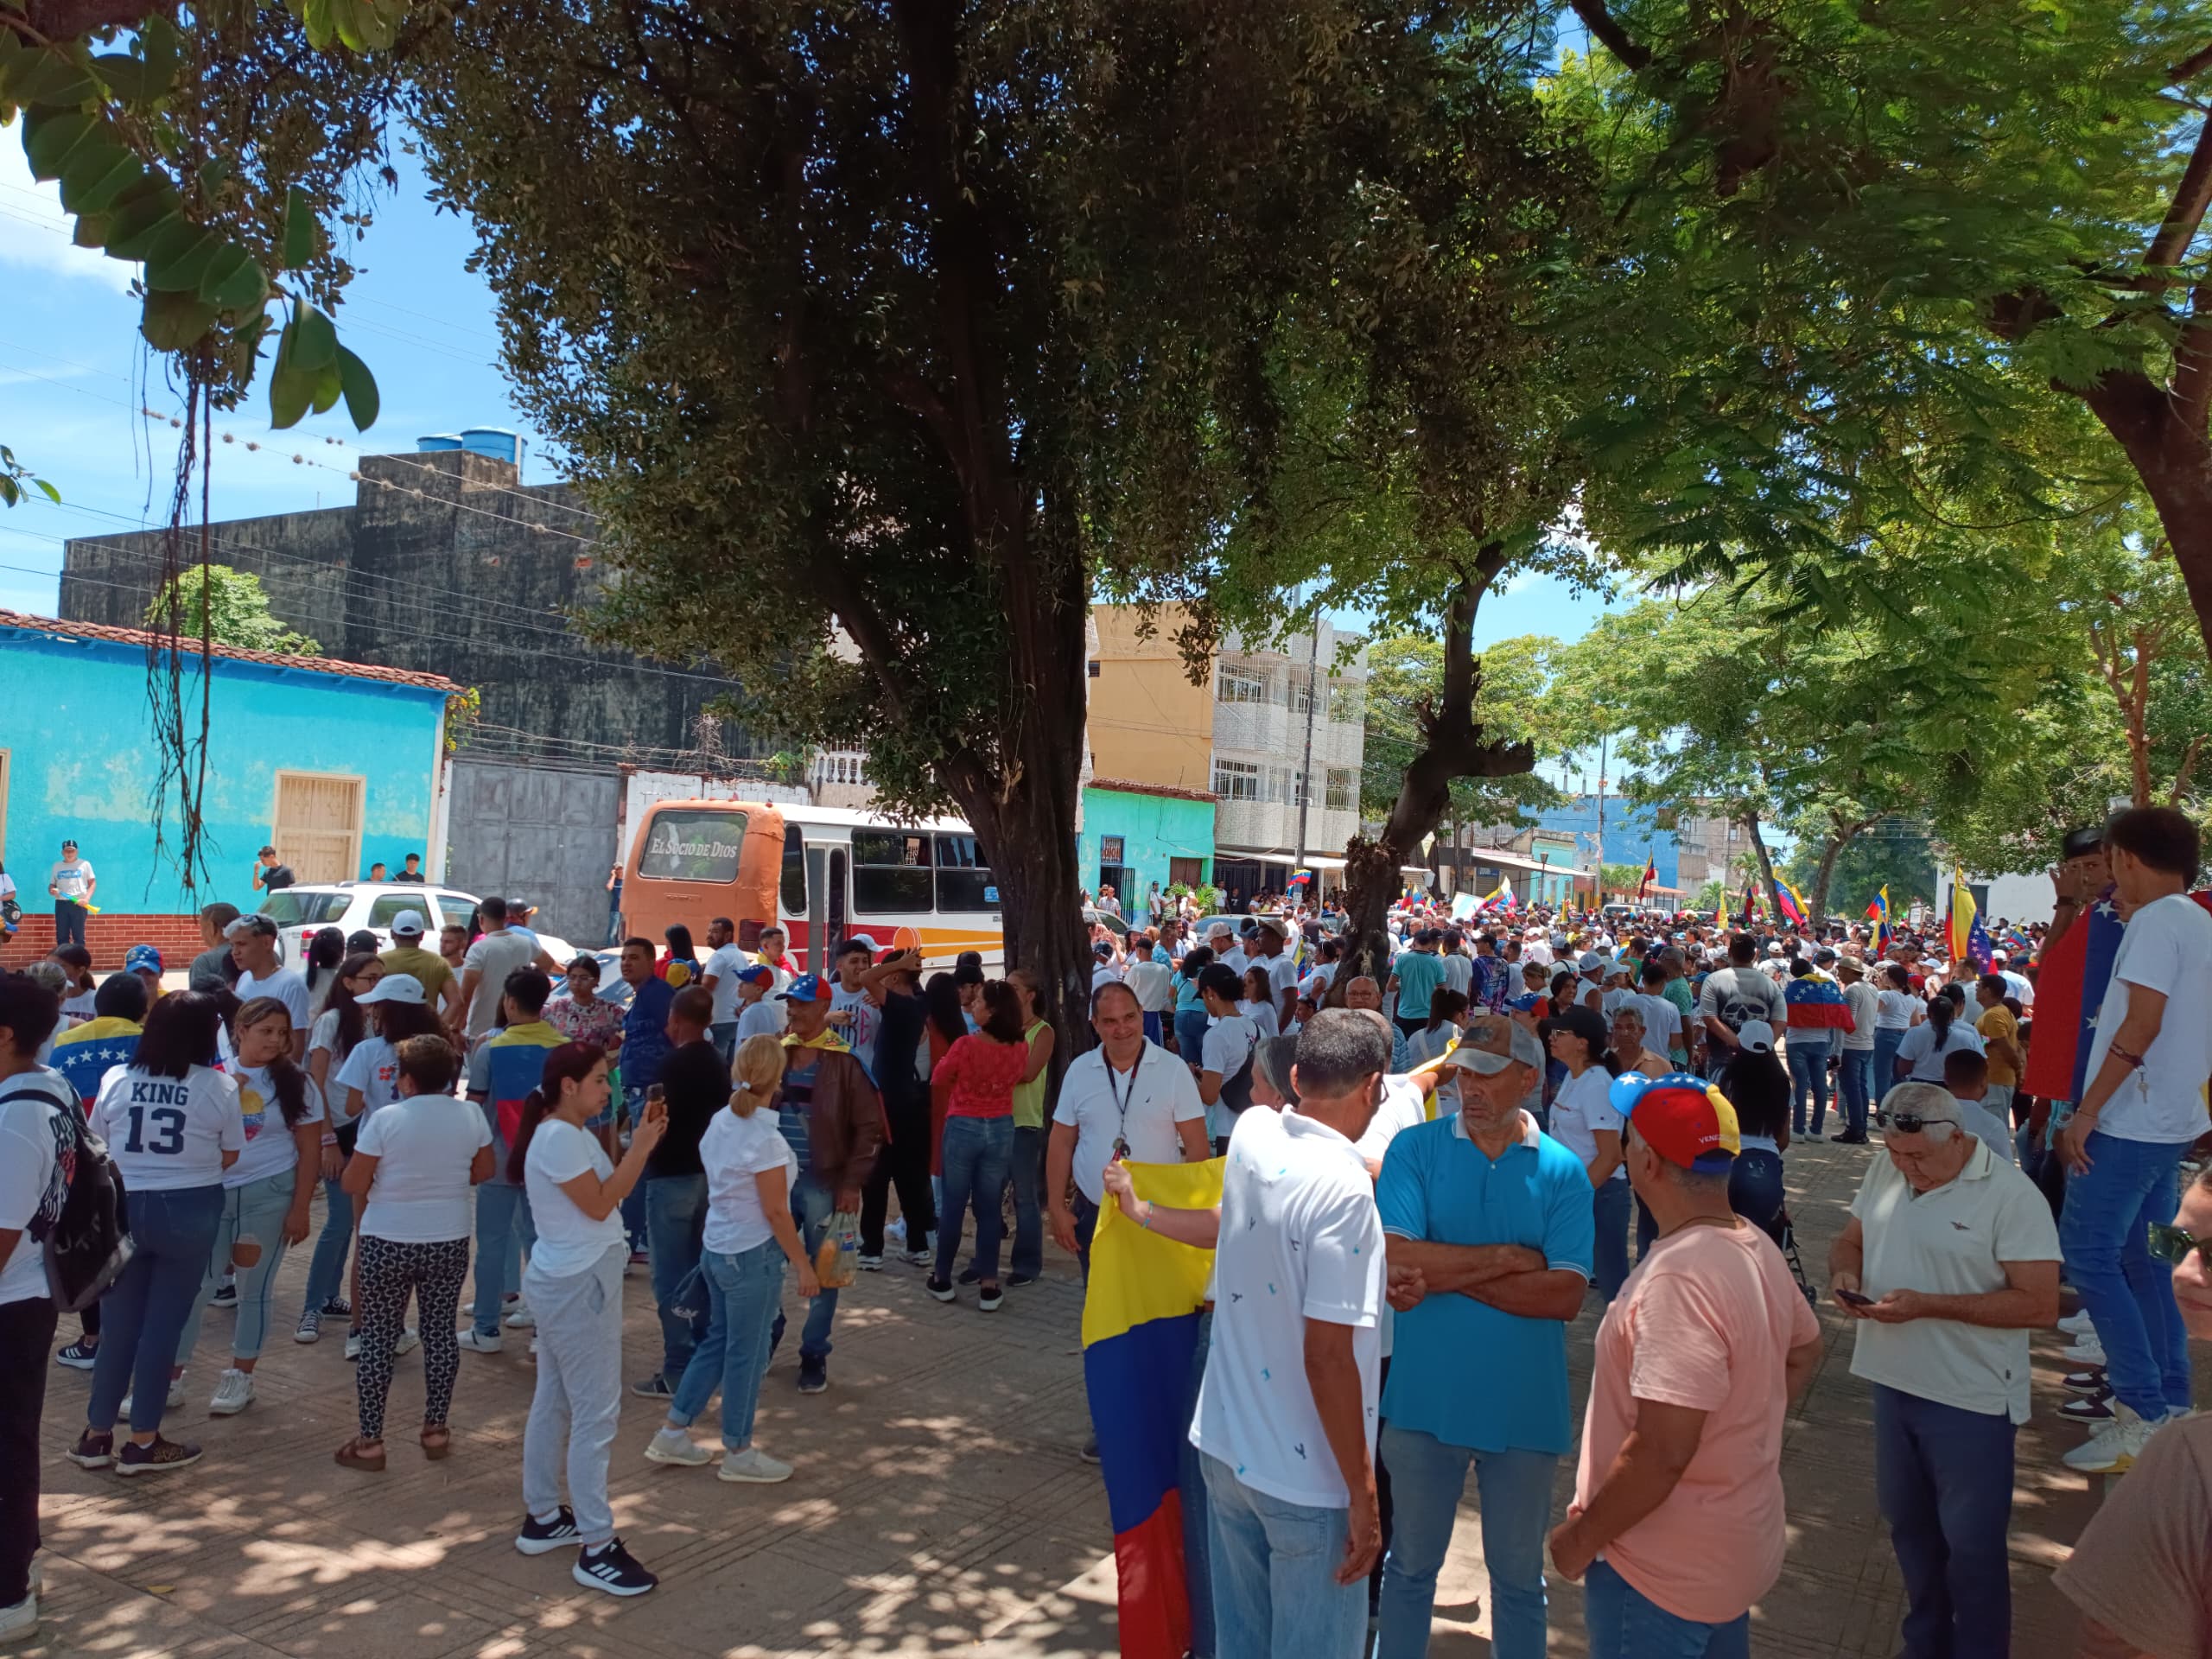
column 750, row 1236
column 266, row 1193
column 338, row 1030
column 172, row 1125
column 411, row 1170
column 979, row 1073
column 574, row 1285
column 1585, row 1123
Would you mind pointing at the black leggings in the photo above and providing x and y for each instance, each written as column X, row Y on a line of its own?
column 389, row 1270
column 906, row 1161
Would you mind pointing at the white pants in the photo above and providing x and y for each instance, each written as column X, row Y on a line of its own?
column 578, row 1404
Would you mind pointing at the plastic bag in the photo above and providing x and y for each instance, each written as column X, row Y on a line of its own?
column 837, row 1258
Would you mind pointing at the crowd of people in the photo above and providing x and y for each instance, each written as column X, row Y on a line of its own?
column 1433, row 1156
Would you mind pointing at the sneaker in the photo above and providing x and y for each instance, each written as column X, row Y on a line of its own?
column 638, row 1259
column 21, row 1619
column 2090, row 1407
column 970, row 1276
column 870, row 1263
column 94, row 1450
column 654, row 1388
column 2090, row 1381
column 352, row 1345
column 159, row 1458
column 2114, row 1446
column 477, row 1343
column 520, row 1318
column 176, row 1399
column 544, row 1537
column 2077, row 1325
column 234, row 1393
column 226, row 1295
column 1017, row 1281
column 336, row 1308
column 2086, row 1351
column 1815, row 1135
column 410, row 1340
column 753, row 1466
column 309, row 1328
column 813, row 1375
column 78, row 1356
column 938, row 1288
column 674, row 1446
column 613, row 1569
column 917, row 1258
column 992, row 1297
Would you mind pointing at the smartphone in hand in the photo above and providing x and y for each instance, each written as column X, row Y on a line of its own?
column 1853, row 1299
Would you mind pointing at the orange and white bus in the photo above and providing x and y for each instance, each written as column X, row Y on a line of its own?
column 821, row 874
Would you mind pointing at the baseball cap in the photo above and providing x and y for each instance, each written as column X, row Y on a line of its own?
column 1219, row 930
column 394, row 987
column 1824, row 956
column 1102, row 950
column 754, row 974
column 2079, row 843
column 1581, row 1022
column 142, row 959
column 1591, row 965
column 1682, row 1118
column 807, row 987
column 1490, row 1043
column 1269, row 924
column 1757, row 1036
column 245, row 927
column 407, row 925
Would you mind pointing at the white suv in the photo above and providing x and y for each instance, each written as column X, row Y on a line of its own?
column 302, row 911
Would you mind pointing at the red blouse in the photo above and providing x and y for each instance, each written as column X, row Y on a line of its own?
column 983, row 1074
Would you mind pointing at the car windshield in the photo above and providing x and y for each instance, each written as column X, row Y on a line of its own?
column 305, row 906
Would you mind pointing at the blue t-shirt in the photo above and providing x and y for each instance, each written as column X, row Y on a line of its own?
column 1468, row 1373
column 645, row 1034
column 1420, row 972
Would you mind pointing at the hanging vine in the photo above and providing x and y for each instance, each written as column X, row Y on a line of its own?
column 180, row 730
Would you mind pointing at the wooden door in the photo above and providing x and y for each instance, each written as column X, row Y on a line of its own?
column 318, row 825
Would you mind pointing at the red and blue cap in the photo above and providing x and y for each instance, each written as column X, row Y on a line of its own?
column 758, row 972
column 807, row 987
column 1681, row 1117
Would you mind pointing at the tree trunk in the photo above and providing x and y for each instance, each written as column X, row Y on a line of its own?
column 1453, row 745
column 1840, row 838
column 1760, row 855
column 2164, row 438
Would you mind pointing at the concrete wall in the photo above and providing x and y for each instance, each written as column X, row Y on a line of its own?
column 1153, row 829
column 537, row 833
column 1148, row 723
column 1270, row 734
column 82, row 764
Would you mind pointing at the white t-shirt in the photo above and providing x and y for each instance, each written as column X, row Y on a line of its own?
column 2167, row 947
column 1142, row 1106
column 1662, row 1021
column 1234, row 959
column 733, row 1151
column 422, row 1192
column 1229, row 1043
column 1283, row 972
column 494, row 957
column 286, row 986
column 568, row 1241
column 1104, row 975
column 26, row 1168
column 867, row 1019
column 1301, row 1239
column 1864, row 1003
column 1316, row 984
column 1152, row 982
column 1926, row 1059
column 763, row 1019
column 270, row 1148
column 79, row 1006
column 1263, row 1018
column 71, row 880
column 1401, row 1109
column 168, row 1134
column 1893, row 1011
column 1585, row 1106
column 723, row 968
column 373, row 1068
column 1459, row 973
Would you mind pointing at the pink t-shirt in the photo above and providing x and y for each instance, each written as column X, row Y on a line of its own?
column 1705, row 1321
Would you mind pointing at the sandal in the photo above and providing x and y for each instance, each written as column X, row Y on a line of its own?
column 352, row 1457
column 437, row 1441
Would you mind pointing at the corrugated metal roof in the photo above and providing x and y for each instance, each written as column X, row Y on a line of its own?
column 140, row 638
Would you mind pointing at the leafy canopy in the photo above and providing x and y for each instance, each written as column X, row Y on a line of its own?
column 228, row 606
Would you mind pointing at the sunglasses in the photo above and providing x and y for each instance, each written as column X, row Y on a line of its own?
column 2172, row 1246
column 1913, row 1123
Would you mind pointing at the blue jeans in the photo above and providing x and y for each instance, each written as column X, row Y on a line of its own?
column 1625, row 1624
column 1886, row 1044
column 812, row 1205
column 1809, row 1074
column 68, row 922
column 724, row 1035
column 1427, row 1479
column 745, row 1296
column 676, row 1217
column 1943, row 1477
column 504, row 1232
column 326, row 1270
column 1190, row 1035
column 1853, row 1080
column 1755, row 1189
column 142, row 1314
column 254, row 1211
column 1275, row 1594
column 1611, row 1204
column 977, row 1154
column 2104, row 1237
column 1028, row 1258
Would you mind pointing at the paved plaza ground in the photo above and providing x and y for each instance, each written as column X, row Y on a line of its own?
column 939, row 1506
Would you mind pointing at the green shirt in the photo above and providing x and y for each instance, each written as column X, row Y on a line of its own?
column 1029, row 1097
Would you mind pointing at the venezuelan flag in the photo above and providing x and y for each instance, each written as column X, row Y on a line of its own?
column 1720, row 921
column 1139, row 1335
column 1787, row 904
column 1958, row 930
column 1878, row 913
column 84, row 1054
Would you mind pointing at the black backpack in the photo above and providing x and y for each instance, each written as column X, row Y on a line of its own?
column 87, row 1245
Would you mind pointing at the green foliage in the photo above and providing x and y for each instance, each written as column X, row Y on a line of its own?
column 14, row 477
column 1517, row 704
column 230, row 607
column 463, row 709
column 1896, row 852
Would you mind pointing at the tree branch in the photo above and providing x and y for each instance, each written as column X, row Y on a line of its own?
column 2188, row 766
column 2191, row 197
column 63, row 21
column 1604, row 27
column 2190, row 68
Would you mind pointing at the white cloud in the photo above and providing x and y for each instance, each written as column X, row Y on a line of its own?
column 35, row 233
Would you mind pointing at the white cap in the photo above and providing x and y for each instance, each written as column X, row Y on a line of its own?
column 1757, row 1036
column 394, row 987
column 409, row 922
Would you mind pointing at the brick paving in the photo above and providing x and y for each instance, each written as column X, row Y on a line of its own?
column 939, row 1506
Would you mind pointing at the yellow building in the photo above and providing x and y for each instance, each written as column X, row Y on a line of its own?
column 1148, row 723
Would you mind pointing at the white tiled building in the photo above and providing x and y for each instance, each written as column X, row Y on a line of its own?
column 1259, row 724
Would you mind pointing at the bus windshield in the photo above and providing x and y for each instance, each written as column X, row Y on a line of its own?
column 695, row 845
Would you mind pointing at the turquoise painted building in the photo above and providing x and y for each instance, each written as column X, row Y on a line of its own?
column 1134, row 835
column 338, row 765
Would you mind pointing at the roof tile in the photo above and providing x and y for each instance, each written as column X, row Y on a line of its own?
column 141, row 638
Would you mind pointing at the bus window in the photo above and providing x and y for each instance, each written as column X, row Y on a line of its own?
column 699, row 845
column 963, row 880
column 794, row 893
column 891, row 872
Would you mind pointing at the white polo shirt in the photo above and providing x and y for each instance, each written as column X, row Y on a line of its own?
column 1142, row 1106
column 1152, row 982
column 1951, row 1242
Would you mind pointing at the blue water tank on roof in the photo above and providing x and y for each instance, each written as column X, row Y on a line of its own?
column 437, row 441
column 493, row 440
